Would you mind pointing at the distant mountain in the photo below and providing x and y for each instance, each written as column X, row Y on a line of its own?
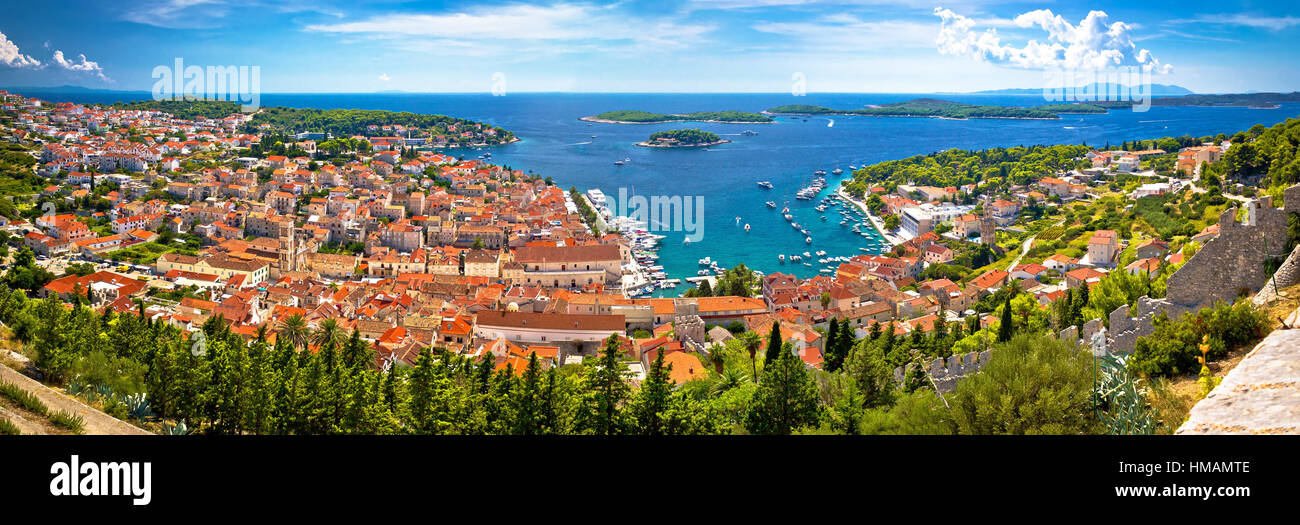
column 1157, row 90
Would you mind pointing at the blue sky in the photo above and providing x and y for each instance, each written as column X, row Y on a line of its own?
column 653, row 46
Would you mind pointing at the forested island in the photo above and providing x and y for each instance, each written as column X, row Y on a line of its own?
column 682, row 138
column 646, row 117
column 1249, row 100
column 928, row 107
column 438, row 129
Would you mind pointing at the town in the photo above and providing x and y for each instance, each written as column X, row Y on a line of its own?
column 187, row 222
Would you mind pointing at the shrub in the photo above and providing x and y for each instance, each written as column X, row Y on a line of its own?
column 1174, row 346
column 7, row 428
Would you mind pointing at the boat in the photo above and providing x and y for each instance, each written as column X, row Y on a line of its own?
column 821, row 253
column 707, row 261
column 765, row 184
column 748, row 133
column 808, row 240
column 837, row 171
column 805, row 232
column 820, row 173
column 781, row 257
column 593, row 136
column 771, row 204
column 686, row 240
column 746, row 226
column 785, row 209
column 619, row 163
column 807, row 255
column 702, row 272
column 788, row 217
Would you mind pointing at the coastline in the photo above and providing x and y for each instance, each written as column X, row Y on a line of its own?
column 605, row 121
column 941, row 117
column 890, row 238
column 671, row 146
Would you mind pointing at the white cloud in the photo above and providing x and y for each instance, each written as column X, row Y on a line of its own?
column 847, row 33
column 384, row 77
column 81, row 64
column 10, row 56
column 515, row 23
column 1095, row 43
column 204, row 14
column 1271, row 23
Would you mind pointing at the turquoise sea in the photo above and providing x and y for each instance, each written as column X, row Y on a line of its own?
column 556, row 144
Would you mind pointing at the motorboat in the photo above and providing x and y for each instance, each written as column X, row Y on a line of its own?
column 771, row 204
column 765, row 184
column 746, row 226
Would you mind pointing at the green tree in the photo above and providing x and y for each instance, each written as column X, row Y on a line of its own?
column 786, row 398
column 773, row 344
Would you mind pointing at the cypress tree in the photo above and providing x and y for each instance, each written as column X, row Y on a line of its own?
column 773, row 344
column 832, row 343
column 1004, row 327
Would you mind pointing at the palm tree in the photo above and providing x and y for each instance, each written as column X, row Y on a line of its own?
column 752, row 341
column 727, row 381
column 294, row 330
column 715, row 356
column 329, row 333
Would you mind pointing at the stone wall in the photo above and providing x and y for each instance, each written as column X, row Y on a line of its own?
column 1261, row 395
column 1233, row 262
column 1287, row 274
column 1230, row 264
column 946, row 372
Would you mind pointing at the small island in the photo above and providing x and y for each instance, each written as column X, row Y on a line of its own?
column 682, row 138
column 646, row 117
column 924, row 107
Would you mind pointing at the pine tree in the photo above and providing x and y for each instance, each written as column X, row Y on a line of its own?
column 527, row 400
column 785, row 400
column 609, row 390
column 652, row 399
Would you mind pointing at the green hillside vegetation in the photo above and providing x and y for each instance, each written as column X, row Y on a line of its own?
column 683, row 137
column 1257, row 100
column 700, row 116
column 338, row 122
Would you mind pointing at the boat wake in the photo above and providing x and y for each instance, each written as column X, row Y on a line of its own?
column 580, row 143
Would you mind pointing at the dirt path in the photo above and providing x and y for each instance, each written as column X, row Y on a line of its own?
column 96, row 422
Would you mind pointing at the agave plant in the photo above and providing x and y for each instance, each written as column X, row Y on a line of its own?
column 179, row 429
column 1118, row 396
column 138, row 406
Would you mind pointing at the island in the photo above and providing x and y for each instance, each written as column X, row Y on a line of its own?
column 682, row 138
column 646, row 117
column 921, row 107
column 413, row 129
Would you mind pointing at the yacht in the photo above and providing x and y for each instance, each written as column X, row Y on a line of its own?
column 808, row 240
column 781, row 257
column 837, row 171
column 765, row 184
column 748, row 133
column 619, row 163
column 771, row 204
column 707, row 261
